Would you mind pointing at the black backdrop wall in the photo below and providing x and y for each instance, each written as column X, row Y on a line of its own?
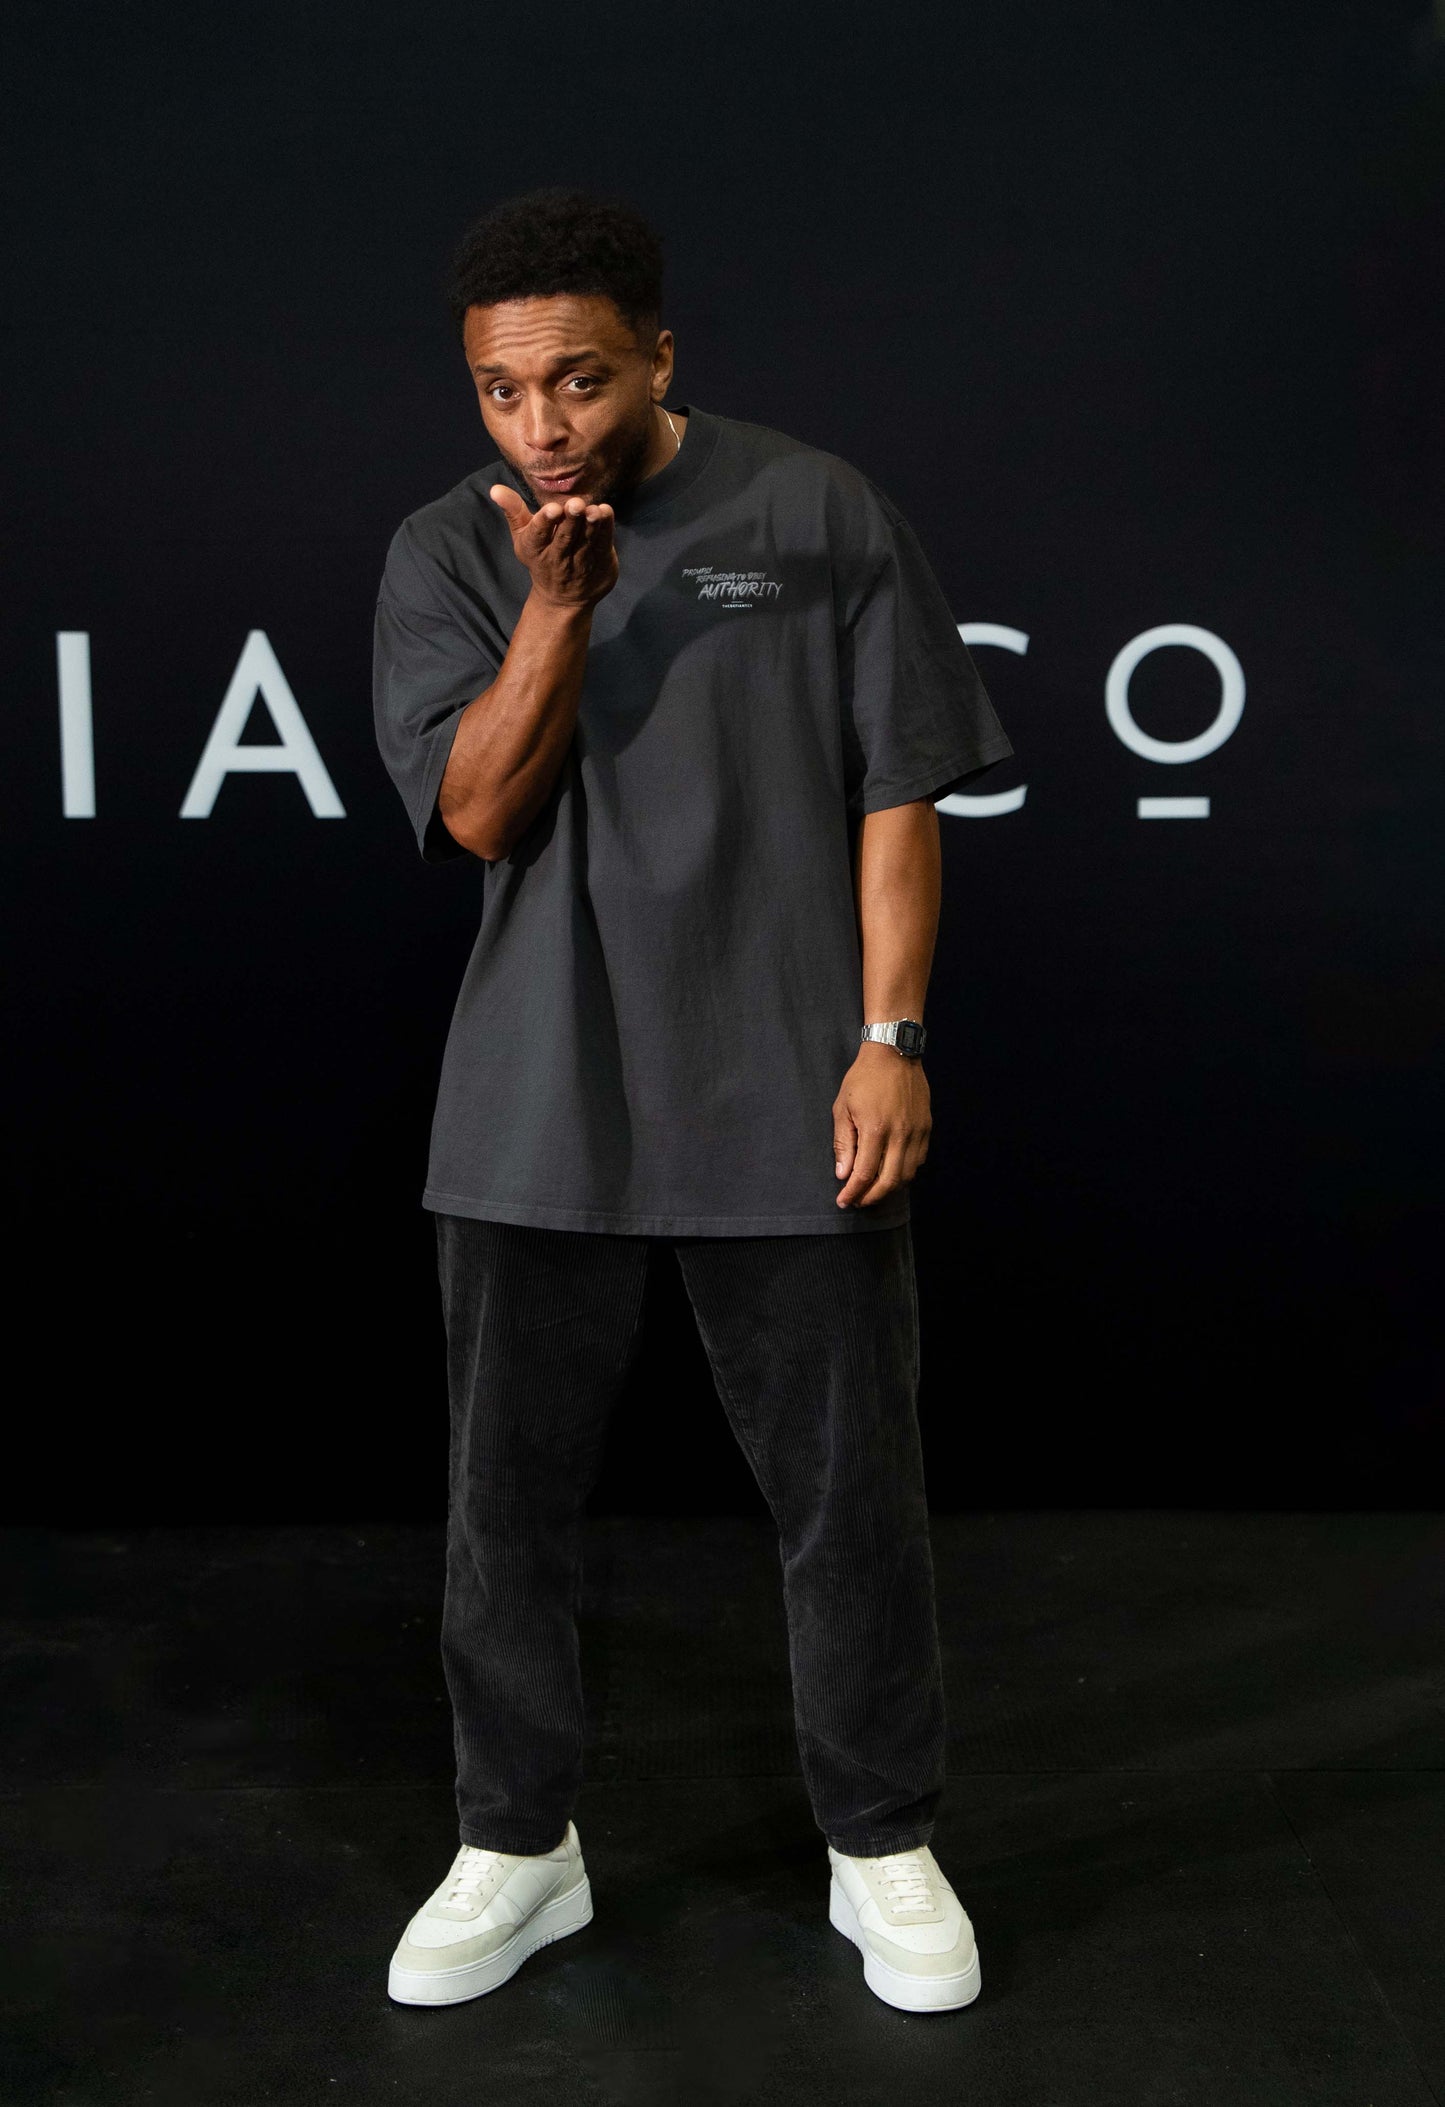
column 1135, row 309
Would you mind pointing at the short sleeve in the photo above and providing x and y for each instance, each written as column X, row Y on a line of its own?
column 430, row 659
column 917, row 720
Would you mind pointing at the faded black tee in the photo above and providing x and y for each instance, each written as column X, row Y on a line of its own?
column 666, row 988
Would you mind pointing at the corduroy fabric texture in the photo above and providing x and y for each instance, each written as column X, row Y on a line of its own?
column 813, row 1344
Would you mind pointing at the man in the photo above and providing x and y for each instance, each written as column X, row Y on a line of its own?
column 688, row 689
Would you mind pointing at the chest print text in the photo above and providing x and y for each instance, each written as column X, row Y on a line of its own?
column 733, row 588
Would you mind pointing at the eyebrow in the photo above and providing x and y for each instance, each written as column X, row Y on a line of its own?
column 567, row 358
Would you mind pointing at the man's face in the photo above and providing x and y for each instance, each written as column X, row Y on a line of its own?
column 566, row 391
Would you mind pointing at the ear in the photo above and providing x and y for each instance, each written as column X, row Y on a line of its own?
column 662, row 364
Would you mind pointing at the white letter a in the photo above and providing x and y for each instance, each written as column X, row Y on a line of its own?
column 258, row 672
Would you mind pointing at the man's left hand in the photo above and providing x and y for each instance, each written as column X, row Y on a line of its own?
column 881, row 1124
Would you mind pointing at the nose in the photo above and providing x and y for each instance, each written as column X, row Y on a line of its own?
column 544, row 430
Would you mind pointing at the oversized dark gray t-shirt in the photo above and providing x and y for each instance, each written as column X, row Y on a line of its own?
column 666, row 987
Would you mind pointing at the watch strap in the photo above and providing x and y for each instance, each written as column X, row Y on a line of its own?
column 905, row 1034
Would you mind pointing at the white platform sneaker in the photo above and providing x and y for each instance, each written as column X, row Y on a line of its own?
column 490, row 1912
column 913, row 1932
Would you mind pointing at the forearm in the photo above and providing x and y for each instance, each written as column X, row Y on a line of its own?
column 511, row 741
column 897, row 877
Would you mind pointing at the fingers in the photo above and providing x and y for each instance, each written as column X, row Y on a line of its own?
column 564, row 526
column 548, row 531
column 531, row 531
column 599, row 529
column 867, row 1162
column 520, row 514
column 877, row 1163
column 517, row 510
column 568, row 529
column 582, row 523
column 575, row 526
column 581, row 546
column 566, row 544
column 845, row 1143
column 890, row 1175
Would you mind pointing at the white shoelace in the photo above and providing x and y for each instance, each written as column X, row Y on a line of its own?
column 471, row 1870
column 907, row 1883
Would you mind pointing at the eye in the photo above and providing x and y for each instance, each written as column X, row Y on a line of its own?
column 583, row 381
column 498, row 390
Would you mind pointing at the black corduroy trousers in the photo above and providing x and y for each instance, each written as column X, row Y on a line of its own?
column 813, row 1344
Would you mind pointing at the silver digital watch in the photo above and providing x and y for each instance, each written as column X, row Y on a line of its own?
column 905, row 1034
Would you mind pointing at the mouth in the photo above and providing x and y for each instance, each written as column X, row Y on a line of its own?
column 556, row 485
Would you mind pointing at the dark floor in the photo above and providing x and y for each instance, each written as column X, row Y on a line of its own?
column 1196, row 1812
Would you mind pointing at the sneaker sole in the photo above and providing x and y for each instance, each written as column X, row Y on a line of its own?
column 909, row 1993
column 556, row 1919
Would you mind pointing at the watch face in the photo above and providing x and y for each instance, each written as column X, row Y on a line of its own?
column 910, row 1037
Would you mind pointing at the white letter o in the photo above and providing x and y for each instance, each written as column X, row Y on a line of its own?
column 1231, row 693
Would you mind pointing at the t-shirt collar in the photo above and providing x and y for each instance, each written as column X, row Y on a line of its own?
column 699, row 437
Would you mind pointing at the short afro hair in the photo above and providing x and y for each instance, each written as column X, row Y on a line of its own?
column 559, row 241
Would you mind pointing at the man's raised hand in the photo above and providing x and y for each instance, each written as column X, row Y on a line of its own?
column 566, row 546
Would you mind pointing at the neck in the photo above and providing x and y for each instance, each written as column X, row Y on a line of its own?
column 664, row 440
